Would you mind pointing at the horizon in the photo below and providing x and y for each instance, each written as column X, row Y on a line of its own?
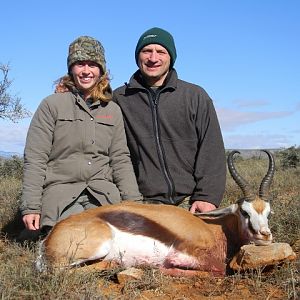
column 7, row 154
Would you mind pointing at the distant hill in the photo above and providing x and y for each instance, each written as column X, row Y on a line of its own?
column 5, row 154
column 248, row 153
column 245, row 153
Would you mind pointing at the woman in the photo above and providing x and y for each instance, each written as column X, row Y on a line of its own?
column 76, row 155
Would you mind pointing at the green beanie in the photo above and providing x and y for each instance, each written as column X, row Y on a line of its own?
column 86, row 48
column 159, row 36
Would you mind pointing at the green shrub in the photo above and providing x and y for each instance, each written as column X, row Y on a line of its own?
column 290, row 157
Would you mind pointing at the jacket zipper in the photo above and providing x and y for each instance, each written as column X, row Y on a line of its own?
column 154, row 106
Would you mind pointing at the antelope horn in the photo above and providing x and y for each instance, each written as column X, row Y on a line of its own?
column 266, row 182
column 240, row 181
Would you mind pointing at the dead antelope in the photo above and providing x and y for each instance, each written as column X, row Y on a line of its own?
column 167, row 237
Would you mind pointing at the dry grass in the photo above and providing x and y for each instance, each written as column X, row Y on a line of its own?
column 19, row 280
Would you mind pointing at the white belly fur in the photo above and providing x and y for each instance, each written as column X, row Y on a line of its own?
column 132, row 250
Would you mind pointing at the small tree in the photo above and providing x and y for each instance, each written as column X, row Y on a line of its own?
column 10, row 105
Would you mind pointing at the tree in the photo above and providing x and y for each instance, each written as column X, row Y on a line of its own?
column 10, row 105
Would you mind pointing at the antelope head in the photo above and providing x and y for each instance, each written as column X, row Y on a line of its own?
column 252, row 211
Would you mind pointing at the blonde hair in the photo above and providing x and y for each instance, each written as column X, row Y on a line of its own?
column 100, row 91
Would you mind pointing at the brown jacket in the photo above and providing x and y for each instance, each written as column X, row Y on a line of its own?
column 70, row 147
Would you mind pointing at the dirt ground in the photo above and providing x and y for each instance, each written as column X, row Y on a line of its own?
column 154, row 285
column 193, row 288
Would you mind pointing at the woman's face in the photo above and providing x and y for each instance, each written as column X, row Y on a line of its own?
column 86, row 74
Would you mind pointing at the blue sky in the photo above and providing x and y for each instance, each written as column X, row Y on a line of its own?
column 245, row 54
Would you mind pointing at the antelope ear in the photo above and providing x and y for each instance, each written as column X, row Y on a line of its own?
column 218, row 213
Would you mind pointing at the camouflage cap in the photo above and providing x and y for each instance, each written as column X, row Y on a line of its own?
column 86, row 48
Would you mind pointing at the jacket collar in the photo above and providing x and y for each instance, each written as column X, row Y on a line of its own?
column 82, row 103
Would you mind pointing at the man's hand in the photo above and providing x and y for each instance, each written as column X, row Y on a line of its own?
column 202, row 206
column 32, row 221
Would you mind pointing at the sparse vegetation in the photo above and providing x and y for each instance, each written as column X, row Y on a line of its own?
column 19, row 280
column 11, row 167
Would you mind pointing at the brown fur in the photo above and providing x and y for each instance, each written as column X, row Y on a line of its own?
column 259, row 205
column 169, row 232
column 77, row 237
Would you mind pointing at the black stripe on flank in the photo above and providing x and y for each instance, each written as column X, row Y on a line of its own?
column 140, row 225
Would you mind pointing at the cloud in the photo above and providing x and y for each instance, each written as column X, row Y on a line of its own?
column 296, row 131
column 12, row 137
column 233, row 124
column 245, row 103
column 256, row 141
column 231, row 119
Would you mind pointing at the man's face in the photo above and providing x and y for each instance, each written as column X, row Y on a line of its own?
column 154, row 63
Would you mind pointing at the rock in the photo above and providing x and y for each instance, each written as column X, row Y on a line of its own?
column 129, row 274
column 252, row 257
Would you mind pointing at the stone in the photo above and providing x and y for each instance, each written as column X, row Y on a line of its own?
column 253, row 257
column 129, row 274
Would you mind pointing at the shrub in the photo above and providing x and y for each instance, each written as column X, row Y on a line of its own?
column 12, row 167
column 290, row 157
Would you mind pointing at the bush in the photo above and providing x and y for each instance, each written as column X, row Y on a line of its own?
column 290, row 157
column 12, row 167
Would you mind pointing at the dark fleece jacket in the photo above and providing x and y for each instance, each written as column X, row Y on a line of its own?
column 174, row 139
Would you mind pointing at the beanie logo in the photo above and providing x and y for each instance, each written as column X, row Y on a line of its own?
column 150, row 36
column 156, row 36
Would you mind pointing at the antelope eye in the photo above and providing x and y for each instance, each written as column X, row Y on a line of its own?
column 244, row 213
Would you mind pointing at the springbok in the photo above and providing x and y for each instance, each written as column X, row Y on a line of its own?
column 163, row 236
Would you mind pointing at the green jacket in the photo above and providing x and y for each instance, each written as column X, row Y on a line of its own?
column 71, row 147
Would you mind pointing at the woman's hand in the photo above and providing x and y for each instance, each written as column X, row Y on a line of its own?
column 32, row 221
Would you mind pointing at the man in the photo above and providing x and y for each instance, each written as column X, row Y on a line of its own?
column 172, row 130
